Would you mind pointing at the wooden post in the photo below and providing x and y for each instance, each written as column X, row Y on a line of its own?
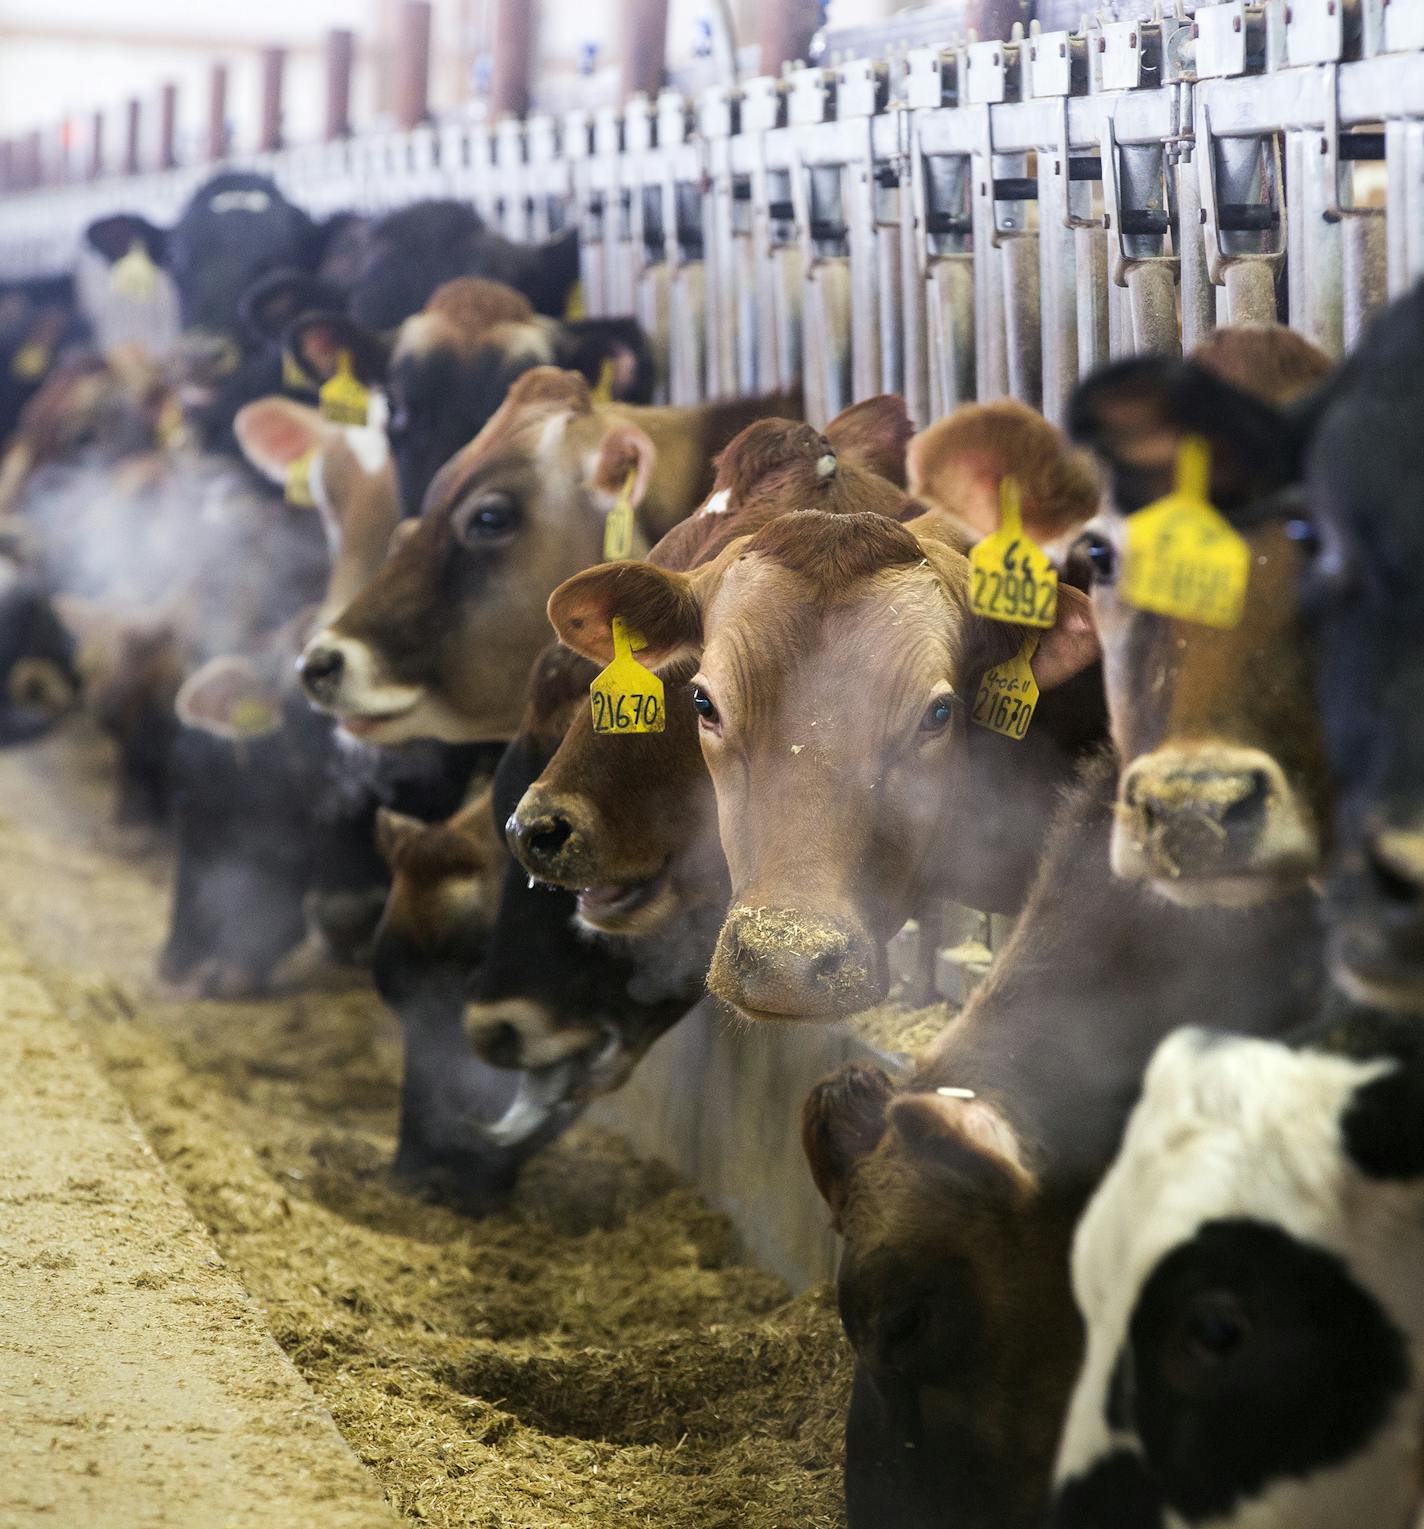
column 515, row 28
column 133, row 137
column 644, row 47
column 413, row 64
column 96, row 145
column 168, row 127
column 340, row 55
column 787, row 27
column 274, row 66
column 216, row 147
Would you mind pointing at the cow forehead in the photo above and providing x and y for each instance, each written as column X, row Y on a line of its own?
column 1226, row 1127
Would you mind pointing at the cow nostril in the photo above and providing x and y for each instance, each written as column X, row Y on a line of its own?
column 501, row 1045
column 321, row 667
column 548, row 836
column 828, row 965
column 1250, row 804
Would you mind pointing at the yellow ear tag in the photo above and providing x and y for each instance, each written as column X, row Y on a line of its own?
column 1011, row 578
column 627, row 698
column 618, row 528
column 134, row 275
column 1182, row 557
column 575, row 307
column 298, row 487
column 294, row 377
column 251, row 717
column 1008, row 693
column 30, row 362
column 343, row 399
column 169, row 428
column 603, row 388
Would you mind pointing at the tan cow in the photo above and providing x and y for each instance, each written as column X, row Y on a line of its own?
column 439, row 644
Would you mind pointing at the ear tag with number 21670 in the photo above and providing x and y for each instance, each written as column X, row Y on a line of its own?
column 1008, row 693
column 1011, row 579
column 626, row 697
column 1183, row 558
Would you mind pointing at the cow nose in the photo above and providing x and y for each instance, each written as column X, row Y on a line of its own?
column 551, row 837
column 538, row 841
column 501, row 1045
column 781, row 963
column 321, row 670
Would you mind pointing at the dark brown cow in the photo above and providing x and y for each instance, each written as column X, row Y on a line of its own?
column 630, row 822
column 1223, row 793
column 440, row 642
column 839, row 661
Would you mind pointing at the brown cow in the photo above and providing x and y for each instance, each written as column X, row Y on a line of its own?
column 839, row 661
column 1223, row 793
column 440, row 642
column 630, row 822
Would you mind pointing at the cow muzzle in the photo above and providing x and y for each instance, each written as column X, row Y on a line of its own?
column 343, row 676
column 782, row 964
column 1212, row 825
column 550, row 837
column 1377, row 919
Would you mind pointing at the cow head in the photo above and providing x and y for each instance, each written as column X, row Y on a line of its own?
column 440, row 642
column 1249, row 1275
column 1222, row 797
column 446, row 369
column 837, row 663
column 1364, row 479
column 630, row 822
column 952, row 1297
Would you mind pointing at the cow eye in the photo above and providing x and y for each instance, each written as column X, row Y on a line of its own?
column 1304, row 534
column 1215, row 1327
column 703, row 705
column 937, row 714
column 490, row 520
column 1101, row 556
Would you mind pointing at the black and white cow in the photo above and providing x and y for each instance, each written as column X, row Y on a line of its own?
column 1249, row 1272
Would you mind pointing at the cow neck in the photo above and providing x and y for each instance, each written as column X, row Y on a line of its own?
column 1097, row 972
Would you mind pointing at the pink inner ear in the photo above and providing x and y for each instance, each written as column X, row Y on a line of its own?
column 272, row 436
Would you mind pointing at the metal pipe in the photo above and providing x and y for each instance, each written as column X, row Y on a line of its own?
column 274, row 67
column 168, row 127
column 643, row 48
column 133, row 136
column 96, row 145
column 217, row 113
column 340, row 57
column 413, row 64
column 787, row 27
column 515, row 28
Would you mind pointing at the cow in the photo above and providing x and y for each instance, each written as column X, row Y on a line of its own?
column 440, row 642
column 1248, row 1274
column 630, row 822
column 447, row 368
column 1224, row 791
column 839, row 662
column 40, row 326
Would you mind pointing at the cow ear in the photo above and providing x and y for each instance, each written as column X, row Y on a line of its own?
column 317, row 341
column 1383, row 1125
column 230, row 699
column 842, row 1122
column 393, row 831
column 1135, row 414
column 275, row 432
column 874, row 434
column 1070, row 644
column 624, row 449
column 271, row 304
column 967, row 1139
column 552, row 273
column 589, row 346
column 113, row 237
column 659, row 605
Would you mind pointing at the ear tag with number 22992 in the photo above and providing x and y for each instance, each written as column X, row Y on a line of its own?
column 1008, row 693
column 627, row 698
column 618, row 528
column 1011, row 579
column 1183, row 558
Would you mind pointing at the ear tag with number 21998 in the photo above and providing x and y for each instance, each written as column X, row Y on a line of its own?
column 626, row 697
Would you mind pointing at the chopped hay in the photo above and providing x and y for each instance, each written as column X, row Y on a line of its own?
column 594, row 1355
column 900, row 1029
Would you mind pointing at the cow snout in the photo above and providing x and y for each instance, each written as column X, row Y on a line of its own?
column 779, row 963
column 322, row 668
column 1378, row 920
column 522, row 1032
column 550, row 839
column 1192, row 817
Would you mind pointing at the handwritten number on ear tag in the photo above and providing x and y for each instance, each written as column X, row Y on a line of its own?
column 1012, row 579
column 1183, row 558
column 618, row 528
column 626, row 697
column 1008, row 693
column 343, row 399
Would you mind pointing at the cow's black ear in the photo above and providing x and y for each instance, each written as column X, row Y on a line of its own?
column 115, row 236
column 340, row 247
column 1134, row 414
column 552, row 274
column 1383, row 1125
column 842, row 1122
column 317, row 341
column 590, row 346
column 272, row 303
